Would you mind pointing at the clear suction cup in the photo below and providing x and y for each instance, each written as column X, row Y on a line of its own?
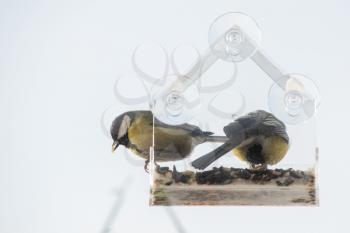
column 234, row 36
column 294, row 98
column 172, row 105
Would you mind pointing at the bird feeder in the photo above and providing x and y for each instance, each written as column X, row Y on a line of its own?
column 234, row 39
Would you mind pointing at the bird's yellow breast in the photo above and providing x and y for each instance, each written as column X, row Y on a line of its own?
column 274, row 149
column 140, row 133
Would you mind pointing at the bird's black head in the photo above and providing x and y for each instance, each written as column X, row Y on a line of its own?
column 119, row 129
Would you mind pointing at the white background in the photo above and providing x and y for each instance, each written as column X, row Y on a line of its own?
column 58, row 64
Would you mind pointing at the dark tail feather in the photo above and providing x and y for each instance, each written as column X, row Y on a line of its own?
column 204, row 161
column 221, row 139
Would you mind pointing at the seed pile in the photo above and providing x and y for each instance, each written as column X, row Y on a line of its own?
column 225, row 175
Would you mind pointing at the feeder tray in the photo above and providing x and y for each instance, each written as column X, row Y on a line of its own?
column 234, row 186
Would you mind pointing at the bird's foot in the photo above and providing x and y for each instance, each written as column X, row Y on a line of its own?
column 258, row 167
column 146, row 166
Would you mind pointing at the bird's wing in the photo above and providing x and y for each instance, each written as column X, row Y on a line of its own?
column 257, row 123
column 187, row 128
column 274, row 127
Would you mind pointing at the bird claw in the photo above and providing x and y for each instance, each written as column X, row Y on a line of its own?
column 258, row 167
column 146, row 166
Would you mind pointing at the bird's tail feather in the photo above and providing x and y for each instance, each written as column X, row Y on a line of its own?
column 205, row 160
column 221, row 139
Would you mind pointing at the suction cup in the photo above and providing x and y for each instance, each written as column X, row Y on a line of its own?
column 294, row 98
column 172, row 105
column 234, row 36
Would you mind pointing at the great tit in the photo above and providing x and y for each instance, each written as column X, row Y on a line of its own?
column 135, row 129
column 258, row 138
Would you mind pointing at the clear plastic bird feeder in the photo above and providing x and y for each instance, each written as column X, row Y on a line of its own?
column 183, row 98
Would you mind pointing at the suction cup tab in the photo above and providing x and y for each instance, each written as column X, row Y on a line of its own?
column 293, row 101
column 234, row 37
column 294, row 98
column 173, row 105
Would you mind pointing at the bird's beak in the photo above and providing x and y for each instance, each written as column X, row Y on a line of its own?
column 115, row 145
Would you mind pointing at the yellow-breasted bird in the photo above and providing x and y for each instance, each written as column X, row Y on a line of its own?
column 258, row 138
column 134, row 130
